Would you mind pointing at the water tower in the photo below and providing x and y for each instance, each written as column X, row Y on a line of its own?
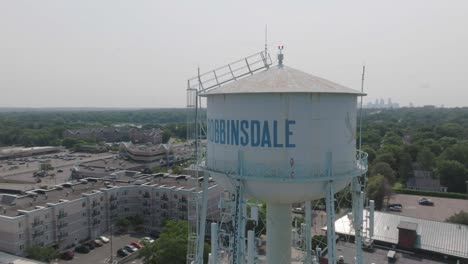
column 281, row 136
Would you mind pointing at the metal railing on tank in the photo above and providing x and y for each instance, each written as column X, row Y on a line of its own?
column 315, row 172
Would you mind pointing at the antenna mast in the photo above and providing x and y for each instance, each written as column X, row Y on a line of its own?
column 360, row 109
column 266, row 40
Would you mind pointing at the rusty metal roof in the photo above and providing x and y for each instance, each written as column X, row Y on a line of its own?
column 282, row 79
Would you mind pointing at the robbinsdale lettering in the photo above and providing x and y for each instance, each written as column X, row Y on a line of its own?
column 254, row 133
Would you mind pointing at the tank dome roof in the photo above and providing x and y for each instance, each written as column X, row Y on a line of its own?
column 282, row 80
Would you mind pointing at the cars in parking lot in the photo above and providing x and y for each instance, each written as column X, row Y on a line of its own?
column 130, row 248
column 122, row 253
column 104, row 239
column 137, row 244
column 90, row 245
column 98, row 243
column 425, row 201
column 67, row 255
column 396, row 207
column 82, row 249
column 147, row 240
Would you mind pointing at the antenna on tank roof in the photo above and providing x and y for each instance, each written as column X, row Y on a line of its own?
column 360, row 108
column 266, row 39
column 280, row 56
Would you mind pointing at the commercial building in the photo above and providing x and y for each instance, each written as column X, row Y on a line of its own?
column 413, row 234
column 116, row 134
column 73, row 212
column 19, row 152
column 147, row 152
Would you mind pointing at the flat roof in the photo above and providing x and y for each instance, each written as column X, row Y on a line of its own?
column 6, row 258
column 408, row 226
column 28, row 203
column 441, row 237
column 379, row 255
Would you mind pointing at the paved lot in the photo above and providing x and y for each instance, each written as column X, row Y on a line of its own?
column 102, row 254
column 443, row 207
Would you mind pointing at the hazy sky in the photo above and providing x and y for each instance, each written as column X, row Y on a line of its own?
column 141, row 53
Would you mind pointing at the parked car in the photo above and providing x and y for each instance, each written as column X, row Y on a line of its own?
column 137, row 244
column 122, row 252
column 147, row 240
column 90, row 244
column 425, row 201
column 130, row 248
column 82, row 249
column 396, row 207
column 67, row 255
column 104, row 239
column 98, row 243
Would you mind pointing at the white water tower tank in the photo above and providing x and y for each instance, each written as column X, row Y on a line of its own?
column 279, row 132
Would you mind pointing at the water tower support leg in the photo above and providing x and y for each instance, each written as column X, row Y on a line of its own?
column 357, row 216
column 331, row 236
column 308, row 230
column 278, row 233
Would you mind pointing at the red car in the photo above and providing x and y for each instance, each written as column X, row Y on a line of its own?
column 67, row 255
column 137, row 244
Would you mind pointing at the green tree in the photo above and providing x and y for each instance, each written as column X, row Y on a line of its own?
column 123, row 223
column 46, row 166
column 405, row 169
column 46, row 254
column 171, row 246
column 378, row 189
column 384, row 169
column 387, row 158
column 426, row 158
column 453, row 175
column 459, row 218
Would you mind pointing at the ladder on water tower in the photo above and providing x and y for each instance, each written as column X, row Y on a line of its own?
column 196, row 120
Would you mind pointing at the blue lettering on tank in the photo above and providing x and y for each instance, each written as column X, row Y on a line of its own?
column 253, row 133
column 245, row 135
column 266, row 140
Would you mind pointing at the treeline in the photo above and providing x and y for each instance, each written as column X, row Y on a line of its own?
column 399, row 141
column 46, row 128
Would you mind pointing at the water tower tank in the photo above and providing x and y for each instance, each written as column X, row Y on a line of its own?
column 284, row 134
column 276, row 129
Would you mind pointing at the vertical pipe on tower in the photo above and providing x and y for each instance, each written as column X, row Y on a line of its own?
column 308, row 228
column 357, row 217
column 214, row 243
column 331, row 236
column 278, row 233
column 371, row 218
column 250, row 247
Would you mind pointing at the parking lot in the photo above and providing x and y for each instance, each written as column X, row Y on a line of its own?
column 442, row 208
column 102, row 254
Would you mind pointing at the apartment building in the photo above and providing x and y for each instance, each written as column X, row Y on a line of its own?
column 71, row 213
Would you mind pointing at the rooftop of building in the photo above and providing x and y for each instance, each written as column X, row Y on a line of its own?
column 379, row 255
column 75, row 190
column 439, row 237
column 6, row 258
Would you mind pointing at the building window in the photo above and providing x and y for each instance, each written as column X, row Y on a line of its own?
column 139, row 191
column 19, row 224
column 125, row 192
column 84, row 213
column 21, row 247
column 20, row 236
column 126, row 209
column 83, row 204
column 46, row 216
column 102, row 198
